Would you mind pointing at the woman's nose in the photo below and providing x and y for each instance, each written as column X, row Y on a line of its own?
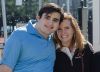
column 63, row 31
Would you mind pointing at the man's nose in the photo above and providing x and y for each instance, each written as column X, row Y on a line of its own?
column 50, row 22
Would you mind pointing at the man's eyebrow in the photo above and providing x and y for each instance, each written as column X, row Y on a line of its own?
column 47, row 15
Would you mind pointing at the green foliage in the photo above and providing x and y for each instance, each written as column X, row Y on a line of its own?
column 29, row 8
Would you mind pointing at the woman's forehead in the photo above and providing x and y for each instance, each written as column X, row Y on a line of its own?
column 66, row 22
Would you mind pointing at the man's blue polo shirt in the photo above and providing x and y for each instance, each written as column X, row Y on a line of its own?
column 28, row 51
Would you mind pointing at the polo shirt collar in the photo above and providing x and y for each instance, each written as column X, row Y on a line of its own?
column 30, row 28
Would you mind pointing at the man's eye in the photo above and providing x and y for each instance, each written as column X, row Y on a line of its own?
column 67, row 27
column 56, row 20
column 47, row 17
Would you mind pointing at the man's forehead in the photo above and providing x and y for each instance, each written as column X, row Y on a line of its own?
column 54, row 14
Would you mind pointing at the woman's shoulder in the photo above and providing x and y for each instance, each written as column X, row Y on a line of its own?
column 61, row 56
column 88, row 47
column 60, row 53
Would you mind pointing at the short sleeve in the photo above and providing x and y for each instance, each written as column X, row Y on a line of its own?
column 11, row 50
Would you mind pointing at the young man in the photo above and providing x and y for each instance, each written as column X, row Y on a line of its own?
column 31, row 48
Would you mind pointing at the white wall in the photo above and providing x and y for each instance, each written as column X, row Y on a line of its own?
column 96, row 25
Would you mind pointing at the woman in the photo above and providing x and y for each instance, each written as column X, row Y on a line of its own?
column 74, row 53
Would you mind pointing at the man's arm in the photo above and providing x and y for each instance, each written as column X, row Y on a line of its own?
column 5, row 68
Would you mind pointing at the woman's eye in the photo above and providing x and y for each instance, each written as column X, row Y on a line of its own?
column 67, row 28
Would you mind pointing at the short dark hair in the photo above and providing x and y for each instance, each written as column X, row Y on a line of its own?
column 50, row 8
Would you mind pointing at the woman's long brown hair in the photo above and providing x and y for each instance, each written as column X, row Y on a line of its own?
column 78, row 38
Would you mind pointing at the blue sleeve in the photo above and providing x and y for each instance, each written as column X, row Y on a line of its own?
column 11, row 51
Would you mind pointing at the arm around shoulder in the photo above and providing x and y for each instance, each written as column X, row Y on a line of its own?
column 5, row 68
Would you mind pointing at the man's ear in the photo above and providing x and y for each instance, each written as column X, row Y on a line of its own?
column 37, row 17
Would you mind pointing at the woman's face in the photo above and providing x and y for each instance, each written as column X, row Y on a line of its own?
column 65, row 31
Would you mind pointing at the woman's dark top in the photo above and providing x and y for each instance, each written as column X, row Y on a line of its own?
column 81, row 61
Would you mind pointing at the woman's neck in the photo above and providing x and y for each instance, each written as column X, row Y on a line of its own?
column 66, row 44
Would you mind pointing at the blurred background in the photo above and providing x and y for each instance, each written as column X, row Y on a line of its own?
column 16, row 13
column 19, row 12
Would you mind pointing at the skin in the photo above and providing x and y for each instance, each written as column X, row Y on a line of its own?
column 5, row 68
column 48, row 23
column 65, row 32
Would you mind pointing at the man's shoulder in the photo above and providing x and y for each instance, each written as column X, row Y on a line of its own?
column 19, row 31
